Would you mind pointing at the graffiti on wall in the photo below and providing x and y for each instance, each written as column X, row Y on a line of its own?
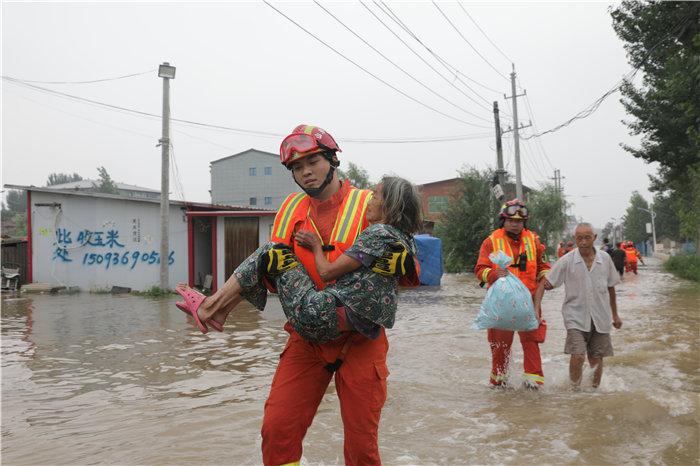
column 110, row 251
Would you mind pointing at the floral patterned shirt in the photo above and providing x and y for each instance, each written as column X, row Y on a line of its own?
column 366, row 294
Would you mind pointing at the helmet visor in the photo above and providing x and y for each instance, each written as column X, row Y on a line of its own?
column 514, row 209
column 295, row 146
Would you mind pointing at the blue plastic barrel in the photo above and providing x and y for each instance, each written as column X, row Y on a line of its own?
column 430, row 258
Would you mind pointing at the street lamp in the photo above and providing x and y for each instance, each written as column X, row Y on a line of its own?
column 653, row 227
column 166, row 72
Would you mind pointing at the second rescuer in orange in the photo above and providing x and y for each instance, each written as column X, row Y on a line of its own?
column 530, row 266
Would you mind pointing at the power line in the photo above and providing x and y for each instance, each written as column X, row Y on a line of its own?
column 588, row 111
column 399, row 67
column 263, row 134
column 468, row 43
column 118, row 128
column 484, row 33
column 452, row 69
column 370, row 73
column 91, row 81
column 534, row 125
column 423, row 59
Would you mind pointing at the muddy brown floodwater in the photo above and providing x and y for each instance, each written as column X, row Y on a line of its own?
column 100, row 379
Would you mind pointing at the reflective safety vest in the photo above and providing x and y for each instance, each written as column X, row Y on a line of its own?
column 528, row 245
column 293, row 216
column 631, row 254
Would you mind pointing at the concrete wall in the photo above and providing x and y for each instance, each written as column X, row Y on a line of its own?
column 122, row 249
column 232, row 183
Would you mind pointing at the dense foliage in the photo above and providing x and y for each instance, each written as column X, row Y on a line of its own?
column 662, row 39
column 467, row 221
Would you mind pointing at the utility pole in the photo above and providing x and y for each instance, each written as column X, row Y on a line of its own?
column 516, row 135
column 499, row 148
column 653, row 225
column 166, row 72
column 560, row 190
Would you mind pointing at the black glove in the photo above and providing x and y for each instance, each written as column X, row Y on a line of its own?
column 396, row 260
column 278, row 259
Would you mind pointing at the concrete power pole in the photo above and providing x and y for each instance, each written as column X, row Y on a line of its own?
column 516, row 136
column 166, row 72
column 653, row 226
column 500, row 172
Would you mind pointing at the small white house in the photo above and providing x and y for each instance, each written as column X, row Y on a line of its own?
column 95, row 241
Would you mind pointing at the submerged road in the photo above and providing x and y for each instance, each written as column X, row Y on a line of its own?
column 100, row 379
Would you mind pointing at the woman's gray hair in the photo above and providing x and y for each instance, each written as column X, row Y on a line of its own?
column 402, row 204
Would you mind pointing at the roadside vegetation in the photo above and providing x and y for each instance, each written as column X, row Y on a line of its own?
column 684, row 266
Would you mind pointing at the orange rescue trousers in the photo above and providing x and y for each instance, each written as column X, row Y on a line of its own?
column 500, row 342
column 298, row 387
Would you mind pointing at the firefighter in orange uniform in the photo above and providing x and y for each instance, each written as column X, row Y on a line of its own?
column 335, row 211
column 530, row 266
column 632, row 257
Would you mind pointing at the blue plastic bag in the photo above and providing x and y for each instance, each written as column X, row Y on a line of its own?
column 508, row 303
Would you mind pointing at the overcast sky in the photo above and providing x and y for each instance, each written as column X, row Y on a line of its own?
column 245, row 66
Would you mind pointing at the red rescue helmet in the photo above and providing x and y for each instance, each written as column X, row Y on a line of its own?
column 514, row 209
column 306, row 140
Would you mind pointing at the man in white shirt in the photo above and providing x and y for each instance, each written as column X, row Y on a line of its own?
column 590, row 306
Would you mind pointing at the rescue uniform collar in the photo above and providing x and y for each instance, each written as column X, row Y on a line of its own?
column 513, row 236
column 335, row 200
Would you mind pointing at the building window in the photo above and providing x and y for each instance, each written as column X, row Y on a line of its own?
column 268, row 171
column 268, row 200
column 253, row 201
column 437, row 204
column 252, row 171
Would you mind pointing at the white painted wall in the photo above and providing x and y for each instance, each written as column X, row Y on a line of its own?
column 62, row 253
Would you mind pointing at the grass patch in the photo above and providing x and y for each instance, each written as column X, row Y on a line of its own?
column 686, row 266
column 153, row 292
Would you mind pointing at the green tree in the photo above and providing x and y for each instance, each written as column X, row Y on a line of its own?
column 61, row 178
column 106, row 184
column 666, row 222
column 15, row 209
column 466, row 223
column 357, row 175
column 662, row 39
column 636, row 219
column 15, row 201
column 547, row 217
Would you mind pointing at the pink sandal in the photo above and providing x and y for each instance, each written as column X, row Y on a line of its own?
column 193, row 300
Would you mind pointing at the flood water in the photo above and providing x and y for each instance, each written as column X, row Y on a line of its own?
column 100, row 379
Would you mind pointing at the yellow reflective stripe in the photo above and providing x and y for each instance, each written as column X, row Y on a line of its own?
column 543, row 273
column 286, row 214
column 346, row 217
column 534, row 377
column 498, row 378
column 485, row 274
column 308, row 129
column 363, row 206
column 296, row 463
column 529, row 247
